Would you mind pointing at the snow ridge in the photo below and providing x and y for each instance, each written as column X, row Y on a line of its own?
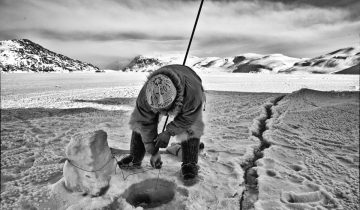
column 250, row 194
column 333, row 62
column 26, row 56
column 245, row 63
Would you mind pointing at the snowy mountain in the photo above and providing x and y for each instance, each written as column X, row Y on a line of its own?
column 148, row 63
column 333, row 62
column 352, row 70
column 255, row 63
column 27, row 56
column 244, row 63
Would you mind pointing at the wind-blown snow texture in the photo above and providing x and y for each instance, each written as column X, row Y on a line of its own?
column 24, row 55
column 313, row 160
column 308, row 132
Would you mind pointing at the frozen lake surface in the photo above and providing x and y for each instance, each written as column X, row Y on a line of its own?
column 18, row 83
column 266, row 147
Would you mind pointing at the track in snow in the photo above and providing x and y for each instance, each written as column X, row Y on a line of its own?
column 250, row 194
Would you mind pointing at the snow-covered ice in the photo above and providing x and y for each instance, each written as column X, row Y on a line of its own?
column 313, row 161
column 299, row 150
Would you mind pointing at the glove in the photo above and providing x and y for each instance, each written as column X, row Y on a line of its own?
column 155, row 161
column 162, row 140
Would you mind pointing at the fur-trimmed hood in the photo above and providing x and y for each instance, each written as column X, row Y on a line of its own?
column 178, row 102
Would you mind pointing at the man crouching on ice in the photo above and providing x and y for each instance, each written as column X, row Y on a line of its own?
column 171, row 90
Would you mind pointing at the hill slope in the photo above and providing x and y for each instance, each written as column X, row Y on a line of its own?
column 25, row 55
column 352, row 70
column 330, row 63
column 244, row 63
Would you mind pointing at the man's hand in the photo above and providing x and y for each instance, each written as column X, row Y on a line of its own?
column 155, row 161
column 162, row 140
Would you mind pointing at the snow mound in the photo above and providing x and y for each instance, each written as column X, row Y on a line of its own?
column 90, row 163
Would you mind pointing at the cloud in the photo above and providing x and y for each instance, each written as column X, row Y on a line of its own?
column 126, row 28
column 318, row 3
column 91, row 35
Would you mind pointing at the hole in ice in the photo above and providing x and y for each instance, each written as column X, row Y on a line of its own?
column 145, row 195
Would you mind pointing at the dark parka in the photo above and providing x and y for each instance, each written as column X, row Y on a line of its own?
column 187, row 106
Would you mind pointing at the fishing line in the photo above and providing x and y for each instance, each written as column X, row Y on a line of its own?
column 143, row 171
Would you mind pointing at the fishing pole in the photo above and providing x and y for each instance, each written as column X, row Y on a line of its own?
column 188, row 48
column 193, row 31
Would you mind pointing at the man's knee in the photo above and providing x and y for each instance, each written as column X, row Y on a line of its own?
column 192, row 132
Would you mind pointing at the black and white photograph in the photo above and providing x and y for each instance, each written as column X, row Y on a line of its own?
column 180, row 104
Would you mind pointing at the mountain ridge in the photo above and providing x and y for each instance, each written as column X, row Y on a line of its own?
column 27, row 56
column 23, row 55
column 333, row 62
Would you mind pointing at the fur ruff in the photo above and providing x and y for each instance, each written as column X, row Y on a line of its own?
column 178, row 102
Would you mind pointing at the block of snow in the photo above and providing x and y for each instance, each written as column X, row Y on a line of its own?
column 90, row 163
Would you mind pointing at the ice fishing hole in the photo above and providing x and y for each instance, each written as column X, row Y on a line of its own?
column 145, row 195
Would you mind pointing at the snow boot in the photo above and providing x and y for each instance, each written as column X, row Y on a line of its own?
column 190, row 151
column 137, row 153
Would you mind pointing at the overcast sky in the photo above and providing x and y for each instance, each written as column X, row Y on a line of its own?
column 102, row 31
